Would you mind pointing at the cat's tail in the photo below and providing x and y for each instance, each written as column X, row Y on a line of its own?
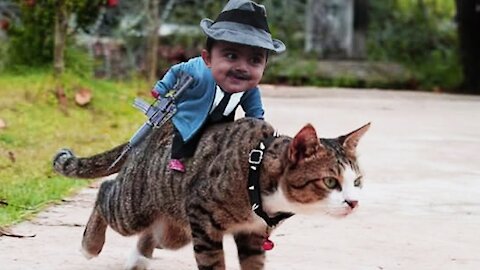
column 66, row 163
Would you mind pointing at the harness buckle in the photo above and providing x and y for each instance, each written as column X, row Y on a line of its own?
column 255, row 157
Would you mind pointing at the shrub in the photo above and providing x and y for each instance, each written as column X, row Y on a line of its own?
column 420, row 35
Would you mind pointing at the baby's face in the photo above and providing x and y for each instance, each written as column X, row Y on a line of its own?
column 235, row 67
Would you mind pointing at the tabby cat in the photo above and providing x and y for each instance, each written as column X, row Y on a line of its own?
column 168, row 209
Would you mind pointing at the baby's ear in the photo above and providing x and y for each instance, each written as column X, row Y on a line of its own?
column 207, row 58
column 304, row 145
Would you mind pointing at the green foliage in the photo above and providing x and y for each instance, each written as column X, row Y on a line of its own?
column 79, row 62
column 304, row 70
column 7, row 140
column 3, row 55
column 290, row 70
column 31, row 42
column 419, row 34
column 85, row 11
column 286, row 20
column 37, row 128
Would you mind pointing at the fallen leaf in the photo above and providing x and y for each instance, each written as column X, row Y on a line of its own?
column 3, row 124
column 62, row 99
column 83, row 97
column 11, row 156
column 5, row 232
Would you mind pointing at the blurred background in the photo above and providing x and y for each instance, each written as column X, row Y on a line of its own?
column 70, row 69
column 403, row 44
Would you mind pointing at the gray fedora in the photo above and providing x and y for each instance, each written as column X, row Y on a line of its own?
column 242, row 22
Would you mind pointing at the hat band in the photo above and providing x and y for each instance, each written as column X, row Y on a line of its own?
column 253, row 18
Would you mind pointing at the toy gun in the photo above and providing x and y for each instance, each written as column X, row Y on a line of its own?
column 158, row 113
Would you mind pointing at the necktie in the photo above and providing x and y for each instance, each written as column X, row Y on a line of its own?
column 217, row 113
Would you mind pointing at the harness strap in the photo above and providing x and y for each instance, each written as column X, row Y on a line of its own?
column 254, row 188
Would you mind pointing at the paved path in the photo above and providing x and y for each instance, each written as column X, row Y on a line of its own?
column 421, row 208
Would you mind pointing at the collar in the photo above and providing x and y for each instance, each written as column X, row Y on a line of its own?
column 254, row 191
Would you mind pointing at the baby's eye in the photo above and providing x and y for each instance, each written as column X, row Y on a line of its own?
column 257, row 60
column 330, row 182
column 231, row 56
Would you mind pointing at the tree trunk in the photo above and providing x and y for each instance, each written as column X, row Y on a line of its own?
column 468, row 19
column 153, row 40
column 329, row 28
column 360, row 27
column 61, row 26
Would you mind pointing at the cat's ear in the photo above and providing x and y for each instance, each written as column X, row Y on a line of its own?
column 350, row 141
column 304, row 145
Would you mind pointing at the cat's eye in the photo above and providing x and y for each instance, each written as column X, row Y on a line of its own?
column 358, row 181
column 330, row 182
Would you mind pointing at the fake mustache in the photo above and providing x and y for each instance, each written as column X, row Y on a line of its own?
column 239, row 75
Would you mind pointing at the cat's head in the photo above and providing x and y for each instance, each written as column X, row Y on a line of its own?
column 323, row 174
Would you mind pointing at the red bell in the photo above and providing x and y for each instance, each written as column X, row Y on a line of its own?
column 267, row 244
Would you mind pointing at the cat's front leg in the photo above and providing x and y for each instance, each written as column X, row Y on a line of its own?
column 250, row 252
column 207, row 242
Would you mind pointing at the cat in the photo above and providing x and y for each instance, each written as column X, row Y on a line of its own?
column 303, row 174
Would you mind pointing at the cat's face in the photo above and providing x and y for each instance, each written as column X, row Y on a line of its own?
column 344, row 197
column 323, row 174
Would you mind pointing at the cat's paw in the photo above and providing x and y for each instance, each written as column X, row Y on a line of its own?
column 87, row 254
column 136, row 261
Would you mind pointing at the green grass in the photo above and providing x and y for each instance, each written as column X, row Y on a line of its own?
column 37, row 128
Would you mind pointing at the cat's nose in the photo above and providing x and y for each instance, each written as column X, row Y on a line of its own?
column 351, row 203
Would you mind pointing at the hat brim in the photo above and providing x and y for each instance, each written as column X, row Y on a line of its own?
column 241, row 34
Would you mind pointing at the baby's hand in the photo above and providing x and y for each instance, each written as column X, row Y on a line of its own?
column 154, row 93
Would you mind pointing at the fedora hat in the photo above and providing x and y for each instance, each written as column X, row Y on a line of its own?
column 243, row 22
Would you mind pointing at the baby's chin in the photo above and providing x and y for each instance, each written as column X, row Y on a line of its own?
column 236, row 87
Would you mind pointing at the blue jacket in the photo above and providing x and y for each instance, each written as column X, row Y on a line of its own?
column 195, row 103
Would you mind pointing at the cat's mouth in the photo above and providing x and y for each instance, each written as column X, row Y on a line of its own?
column 342, row 211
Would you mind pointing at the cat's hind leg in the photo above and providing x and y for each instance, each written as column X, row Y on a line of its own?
column 250, row 252
column 162, row 234
column 94, row 235
column 173, row 235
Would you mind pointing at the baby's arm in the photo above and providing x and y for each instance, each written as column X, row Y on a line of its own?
column 252, row 104
column 164, row 85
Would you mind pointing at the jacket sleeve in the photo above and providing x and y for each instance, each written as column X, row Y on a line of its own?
column 252, row 104
column 167, row 82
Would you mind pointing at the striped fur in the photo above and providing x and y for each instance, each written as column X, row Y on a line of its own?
column 169, row 209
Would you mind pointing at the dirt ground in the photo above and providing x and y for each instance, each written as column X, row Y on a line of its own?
column 420, row 208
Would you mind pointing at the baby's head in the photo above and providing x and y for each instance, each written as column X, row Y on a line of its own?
column 238, row 43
